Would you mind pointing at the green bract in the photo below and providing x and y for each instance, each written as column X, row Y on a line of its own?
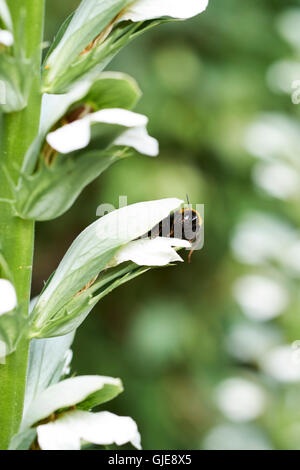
column 65, row 63
column 75, row 287
column 91, row 37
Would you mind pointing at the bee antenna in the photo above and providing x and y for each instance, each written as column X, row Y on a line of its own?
column 188, row 199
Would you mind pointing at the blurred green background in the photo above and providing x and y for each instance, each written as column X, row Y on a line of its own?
column 206, row 350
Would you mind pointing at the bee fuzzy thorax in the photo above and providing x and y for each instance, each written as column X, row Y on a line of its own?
column 184, row 224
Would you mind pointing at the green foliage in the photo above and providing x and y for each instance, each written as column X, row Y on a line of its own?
column 52, row 190
column 107, row 393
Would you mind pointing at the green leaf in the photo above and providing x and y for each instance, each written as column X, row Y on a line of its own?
column 113, row 90
column 52, row 190
column 107, row 393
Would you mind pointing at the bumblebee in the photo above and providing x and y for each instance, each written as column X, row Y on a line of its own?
column 184, row 224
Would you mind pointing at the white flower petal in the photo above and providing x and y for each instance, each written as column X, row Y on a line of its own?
column 155, row 252
column 71, row 137
column 141, row 10
column 102, row 428
column 139, row 139
column 54, row 107
column 131, row 222
column 57, row 436
column 64, row 394
column 8, row 297
column 77, row 135
column 6, row 38
column 119, row 116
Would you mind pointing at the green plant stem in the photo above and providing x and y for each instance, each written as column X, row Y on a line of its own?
column 16, row 235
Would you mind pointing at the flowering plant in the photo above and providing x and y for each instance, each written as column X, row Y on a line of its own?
column 60, row 129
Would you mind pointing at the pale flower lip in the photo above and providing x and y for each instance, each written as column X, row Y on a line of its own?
column 65, row 394
column 151, row 252
column 77, row 135
column 8, row 297
column 75, row 427
column 139, row 139
column 141, row 10
column 6, row 38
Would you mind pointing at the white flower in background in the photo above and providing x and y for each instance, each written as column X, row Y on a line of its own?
column 8, row 297
column 279, row 363
column 141, row 10
column 240, row 400
column 277, row 179
column 72, row 428
column 291, row 257
column 254, row 243
column 77, row 135
column 236, row 437
column 247, row 342
column 274, row 136
column 261, row 298
column 282, row 75
column 289, row 26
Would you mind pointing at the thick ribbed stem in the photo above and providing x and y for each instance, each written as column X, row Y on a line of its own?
column 16, row 235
